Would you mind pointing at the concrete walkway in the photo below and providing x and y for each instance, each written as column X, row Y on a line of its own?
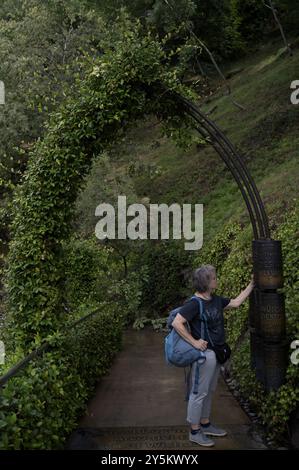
column 141, row 404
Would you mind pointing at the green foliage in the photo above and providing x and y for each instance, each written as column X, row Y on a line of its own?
column 137, row 8
column 42, row 404
column 130, row 79
column 158, row 324
column 104, row 183
column 215, row 22
column 169, row 16
column 88, row 272
column 253, row 19
column 233, row 41
column 274, row 409
column 159, row 265
column 118, row 88
column 216, row 251
column 288, row 233
column 288, row 10
column 41, row 48
column 128, row 293
column 164, row 263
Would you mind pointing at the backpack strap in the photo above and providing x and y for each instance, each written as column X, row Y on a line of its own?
column 203, row 317
column 196, row 379
column 203, row 321
column 187, row 381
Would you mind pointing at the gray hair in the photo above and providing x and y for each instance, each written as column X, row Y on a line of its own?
column 202, row 277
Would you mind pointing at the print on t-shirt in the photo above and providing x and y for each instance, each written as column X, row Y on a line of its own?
column 214, row 313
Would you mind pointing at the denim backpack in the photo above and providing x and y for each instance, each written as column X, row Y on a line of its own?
column 180, row 353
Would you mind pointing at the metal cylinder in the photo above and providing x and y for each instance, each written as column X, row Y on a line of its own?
column 272, row 316
column 257, row 355
column 254, row 313
column 267, row 263
column 275, row 357
column 252, row 349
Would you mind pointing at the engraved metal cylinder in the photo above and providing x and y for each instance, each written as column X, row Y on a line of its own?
column 257, row 355
column 275, row 356
column 254, row 312
column 272, row 316
column 267, row 263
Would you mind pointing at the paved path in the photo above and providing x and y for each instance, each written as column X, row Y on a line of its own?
column 140, row 405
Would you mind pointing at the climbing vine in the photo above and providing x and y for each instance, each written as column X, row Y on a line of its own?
column 131, row 79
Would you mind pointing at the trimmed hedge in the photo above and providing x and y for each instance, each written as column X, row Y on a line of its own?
column 40, row 406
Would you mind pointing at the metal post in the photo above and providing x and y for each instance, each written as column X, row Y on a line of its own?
column 269, row 314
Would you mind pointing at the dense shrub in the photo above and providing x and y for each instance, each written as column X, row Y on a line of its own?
column 87, row 272
column 41, row 405
column 164, row 263
column 274, row 408
column 94, row 273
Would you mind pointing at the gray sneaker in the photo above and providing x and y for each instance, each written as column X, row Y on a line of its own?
column 201, row 439
column 212, row 430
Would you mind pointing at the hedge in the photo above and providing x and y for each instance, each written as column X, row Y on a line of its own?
column 40, row 406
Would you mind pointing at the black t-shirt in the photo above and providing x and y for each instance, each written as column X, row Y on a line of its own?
column 214, row 313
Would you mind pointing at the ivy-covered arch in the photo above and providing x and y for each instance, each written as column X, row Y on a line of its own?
column 129, row 81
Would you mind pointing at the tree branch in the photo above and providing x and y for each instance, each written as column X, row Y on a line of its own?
column 274, row 11
column 203, row 45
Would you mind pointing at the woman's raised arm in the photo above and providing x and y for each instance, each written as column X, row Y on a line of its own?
column 235, row 303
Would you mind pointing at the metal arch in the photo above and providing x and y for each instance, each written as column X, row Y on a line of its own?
column 247, row 178
column 237, row 179
column 237, row 167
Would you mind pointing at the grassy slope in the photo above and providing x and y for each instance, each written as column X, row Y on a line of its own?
column 265, row 133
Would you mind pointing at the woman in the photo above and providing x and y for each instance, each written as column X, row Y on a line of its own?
column 199, row 405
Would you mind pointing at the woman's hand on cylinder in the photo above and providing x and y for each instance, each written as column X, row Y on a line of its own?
column 200, row 344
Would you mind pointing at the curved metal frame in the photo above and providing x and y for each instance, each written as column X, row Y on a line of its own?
column 228, row 153
column 258, row 217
